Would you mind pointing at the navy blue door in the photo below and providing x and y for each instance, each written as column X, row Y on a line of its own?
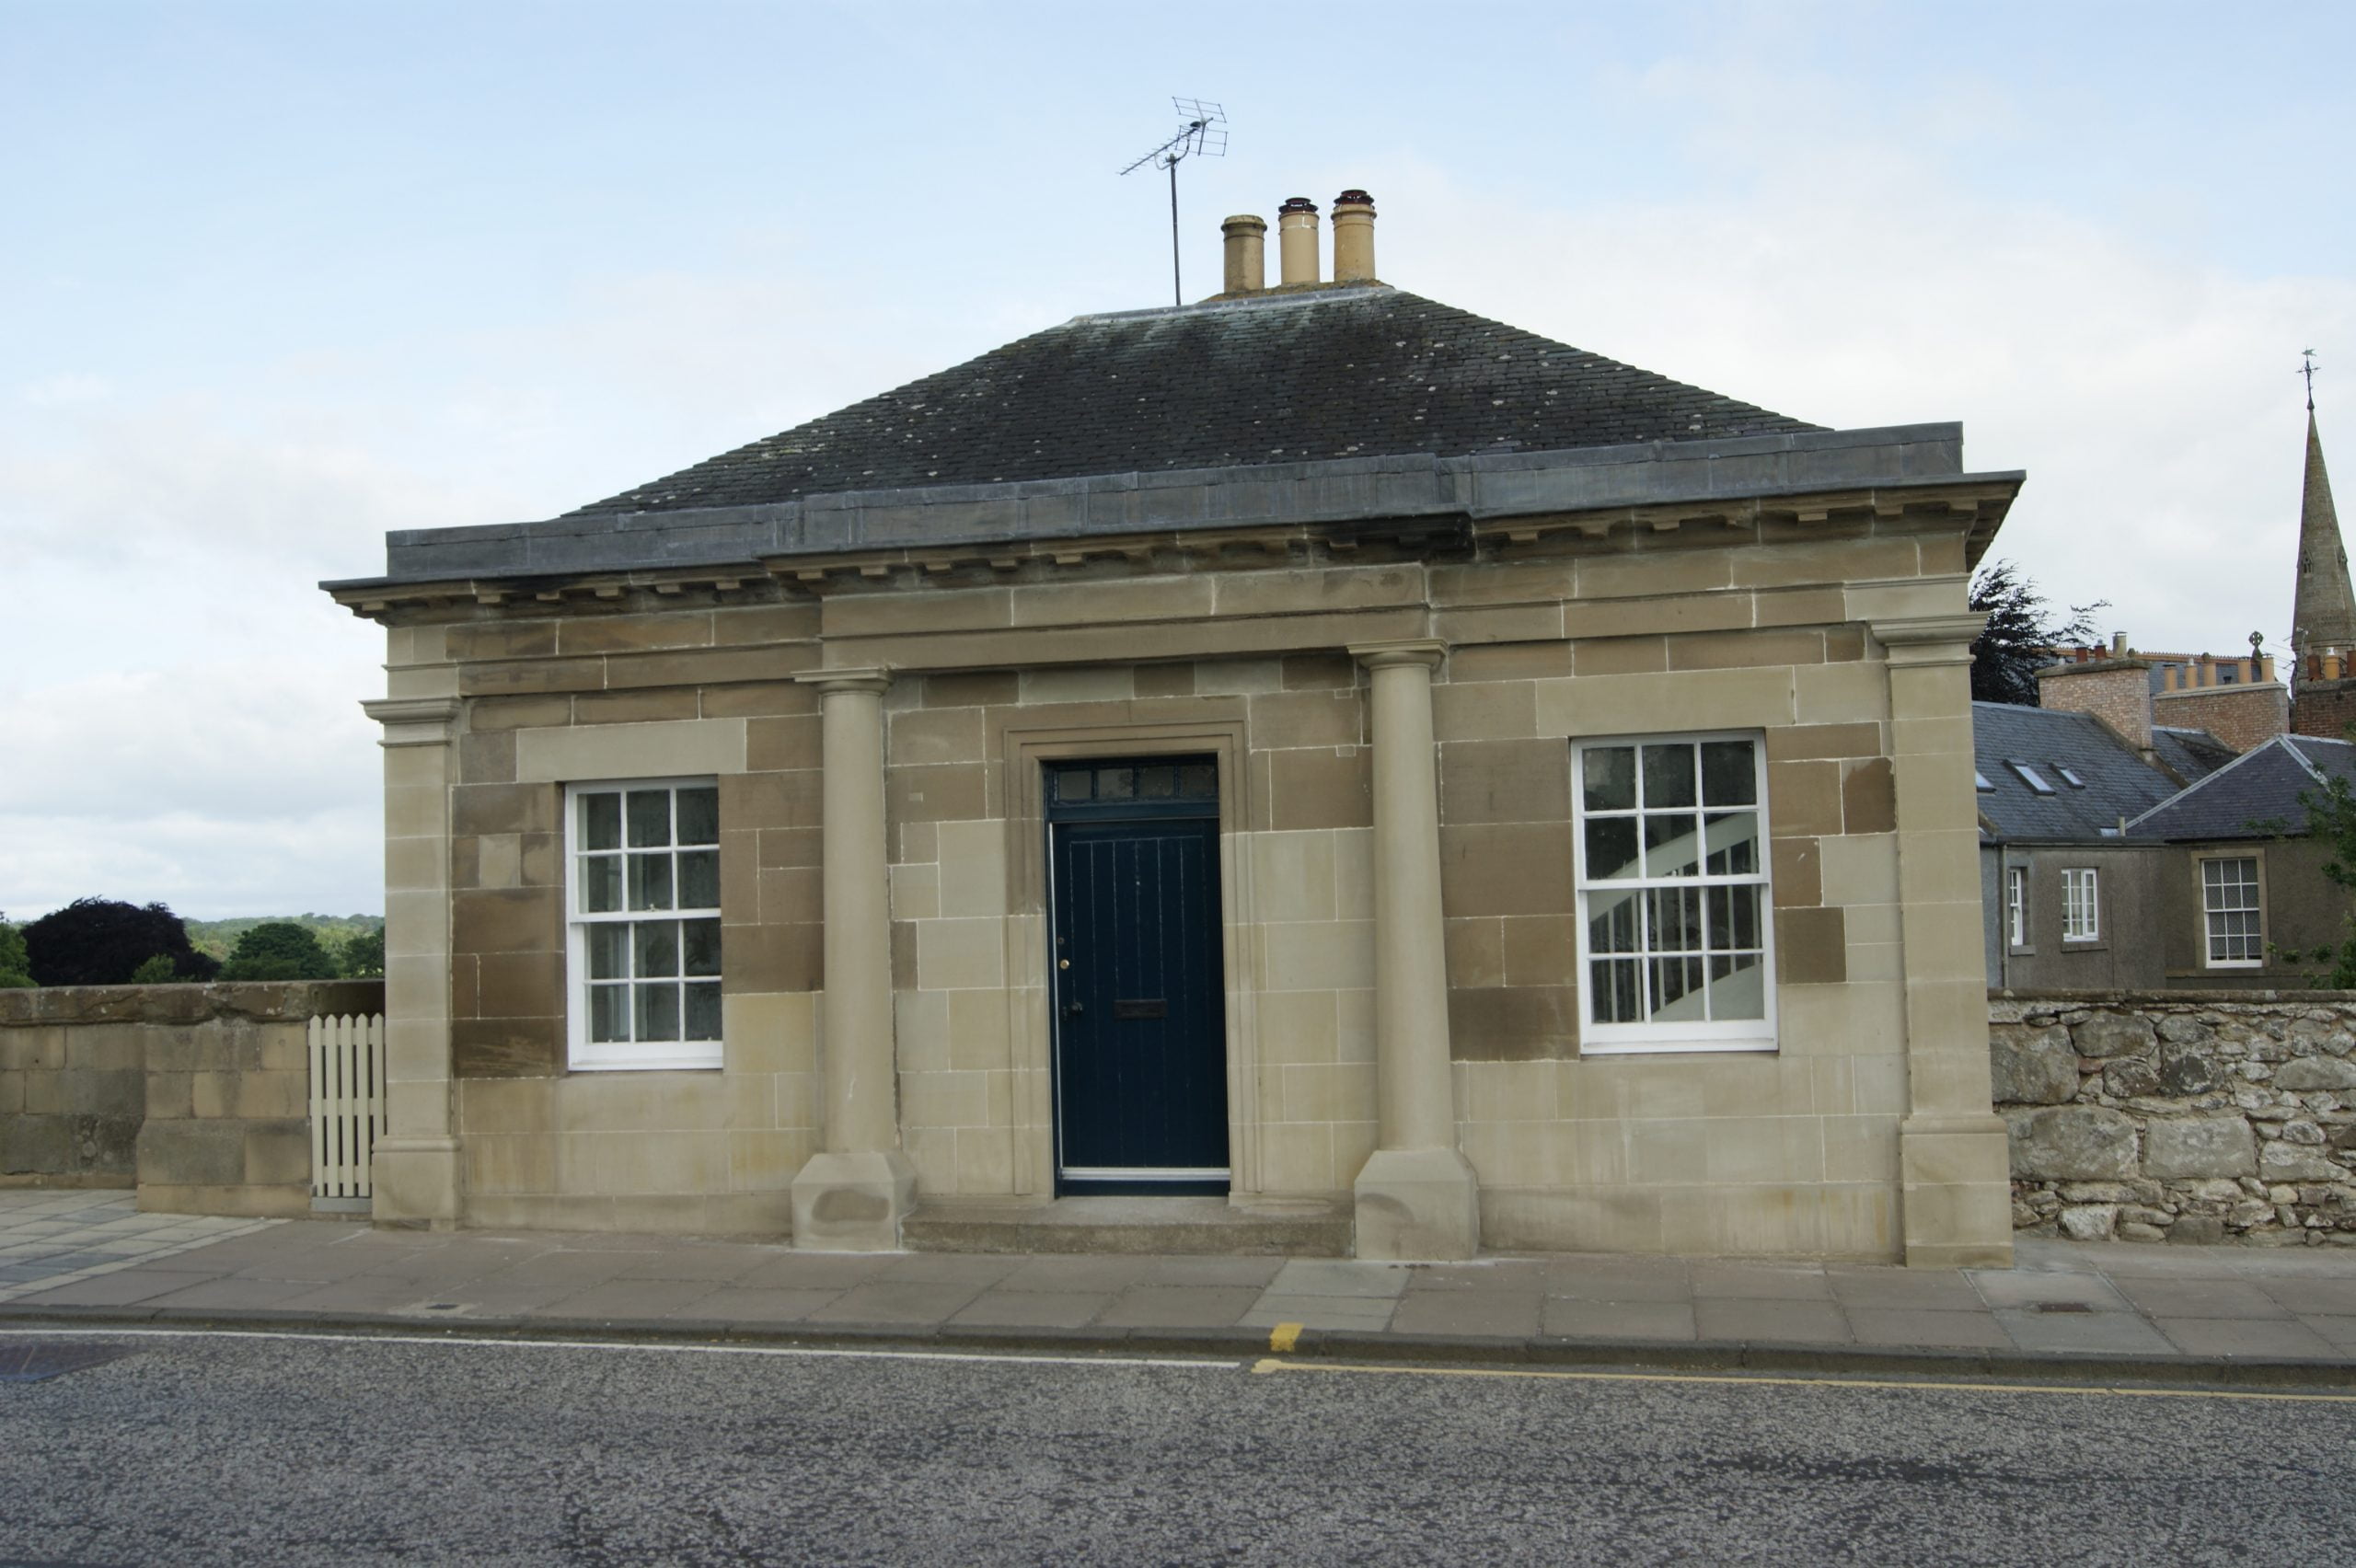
column 1140, row 1015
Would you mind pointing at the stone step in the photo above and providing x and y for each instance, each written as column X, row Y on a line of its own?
column 1302, row 1228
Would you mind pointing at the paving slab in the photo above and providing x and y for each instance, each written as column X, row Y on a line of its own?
column 2239, row 1337
column 1896, row 1326
column 1573, row 1318
column 897, row 1301
column 1802, row 1281
column 1488, row 1314
column 1275, row 1308
column 2200, row 1298
column 1334, row 1276
column 737, row 1304
column 1040, row 1308
column 2088, row 1334
column 1779, row 1319
column 1180, row 1307
column 627, row 1299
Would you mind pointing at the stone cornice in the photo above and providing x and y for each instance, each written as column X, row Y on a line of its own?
column 414, row 720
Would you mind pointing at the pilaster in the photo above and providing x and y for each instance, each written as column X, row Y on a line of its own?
column 415, row 1168
column 1953, row 1162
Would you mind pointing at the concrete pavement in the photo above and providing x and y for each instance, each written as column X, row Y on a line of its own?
column 2200, row 1313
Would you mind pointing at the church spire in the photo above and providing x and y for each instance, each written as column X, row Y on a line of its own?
column 2325, row 616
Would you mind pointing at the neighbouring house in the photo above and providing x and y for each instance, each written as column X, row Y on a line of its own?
column 2144, row 828
column 1314, row 768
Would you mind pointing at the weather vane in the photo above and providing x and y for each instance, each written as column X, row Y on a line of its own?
column 2308, row 370
column 1202, row 133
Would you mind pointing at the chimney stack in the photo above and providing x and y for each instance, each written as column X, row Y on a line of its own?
column 1296, row 241
column 1247, row 263
column 2117, row 690
column 1354, row 238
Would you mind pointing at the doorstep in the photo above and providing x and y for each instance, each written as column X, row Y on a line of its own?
column 1296, row 1228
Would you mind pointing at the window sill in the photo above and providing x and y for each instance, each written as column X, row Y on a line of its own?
column 699, row 1060
column 1675, row 1047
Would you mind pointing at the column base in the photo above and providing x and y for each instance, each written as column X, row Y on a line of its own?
column 853, row 1203
column 1956, row 1193
column 1417, row 1205
column 415, row 1182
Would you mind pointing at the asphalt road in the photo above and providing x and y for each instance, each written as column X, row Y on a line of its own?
column 199, row 1450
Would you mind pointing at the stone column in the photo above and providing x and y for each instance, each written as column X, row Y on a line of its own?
column 852, row 1195
column 415, row 1168
column 1953, row 1162
column 1417, row 1197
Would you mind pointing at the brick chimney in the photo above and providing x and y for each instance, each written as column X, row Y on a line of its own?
column 2243, row 716
column 2117, row 690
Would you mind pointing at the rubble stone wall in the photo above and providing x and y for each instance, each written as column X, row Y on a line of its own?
column 2197, row 1117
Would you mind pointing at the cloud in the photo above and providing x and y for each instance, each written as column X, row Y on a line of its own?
column 1853, row 280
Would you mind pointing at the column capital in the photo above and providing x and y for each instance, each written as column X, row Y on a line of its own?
column 871, row 678
column 1929, row 640
column 413, row 720
column 1426, row 650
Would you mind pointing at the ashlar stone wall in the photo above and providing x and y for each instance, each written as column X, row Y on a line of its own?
column 2188, row 1116
column 198, row 1095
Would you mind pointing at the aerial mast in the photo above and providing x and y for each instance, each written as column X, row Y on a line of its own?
column 1203, row 133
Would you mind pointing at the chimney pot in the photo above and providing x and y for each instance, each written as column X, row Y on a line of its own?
column 1354, row 238
column 2118, row 643
column 1296, row 241
column 1247, row 262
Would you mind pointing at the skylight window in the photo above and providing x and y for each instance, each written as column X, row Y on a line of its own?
column 2070, row 776
column 1981, row 779
column 2029, row 775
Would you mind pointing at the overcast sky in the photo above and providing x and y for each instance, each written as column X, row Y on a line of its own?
column 278, row 277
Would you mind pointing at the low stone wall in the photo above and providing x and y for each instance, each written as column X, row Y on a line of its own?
column 198, row 1095
column 2197, row 1117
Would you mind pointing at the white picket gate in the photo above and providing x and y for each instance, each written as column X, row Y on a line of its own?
column 347, row 1102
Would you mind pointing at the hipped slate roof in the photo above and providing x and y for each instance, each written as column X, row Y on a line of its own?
column 2118, row 782
column 2255, row 796
column 1359, row 372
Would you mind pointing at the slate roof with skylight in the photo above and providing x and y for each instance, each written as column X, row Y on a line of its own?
column 2021, row 751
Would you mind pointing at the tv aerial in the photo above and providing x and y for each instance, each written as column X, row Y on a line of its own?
column 1202, row 132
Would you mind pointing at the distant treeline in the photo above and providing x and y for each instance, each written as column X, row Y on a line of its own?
column 101, row 941
column 220, row 936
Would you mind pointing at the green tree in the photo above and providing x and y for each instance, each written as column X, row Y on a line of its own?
column 16, row 963
column 156, row 970
column 102, row 941
column 362, row 955
column 279, row 950
column 2007, row 654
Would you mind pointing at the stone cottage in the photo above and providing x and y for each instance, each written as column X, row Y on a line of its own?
column 1312, row 757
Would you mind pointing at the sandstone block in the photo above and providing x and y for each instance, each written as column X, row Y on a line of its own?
column 2201, row 1146
column 2032, row 1067
column 2087, row 1143
column 2112, row 1034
